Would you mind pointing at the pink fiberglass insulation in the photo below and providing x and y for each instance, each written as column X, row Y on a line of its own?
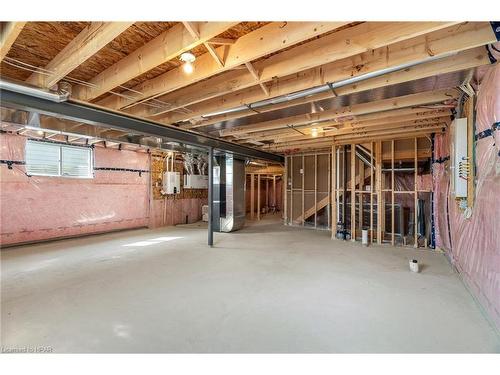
column 39, row 208
column 473, row 244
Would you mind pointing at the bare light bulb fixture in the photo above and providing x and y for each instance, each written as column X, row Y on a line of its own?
column 314, row 132
column 188, row 59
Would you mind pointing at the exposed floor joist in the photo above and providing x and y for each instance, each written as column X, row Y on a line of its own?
column 167, row 46
column 263, row 41
column 85, row 45
column 420, row 49
column 10, row 32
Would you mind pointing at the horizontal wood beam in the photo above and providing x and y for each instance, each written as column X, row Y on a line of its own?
column 9, row 33
column 380, row 118
column 395, row 128
column 328, row 143
column 161, row 49
column 86, row 44
column 412, row 100
column 348, row 131
column 263, row 41
column 219, row 93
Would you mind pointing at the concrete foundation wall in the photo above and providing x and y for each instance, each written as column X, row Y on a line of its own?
column 41, row 208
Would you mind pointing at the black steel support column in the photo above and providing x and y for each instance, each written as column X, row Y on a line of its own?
column 210, row 196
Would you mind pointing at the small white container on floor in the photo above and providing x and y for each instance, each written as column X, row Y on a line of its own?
column 413, row 265
column 364, row 237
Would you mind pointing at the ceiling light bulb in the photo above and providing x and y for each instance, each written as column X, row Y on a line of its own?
column 188, row 57
column 314, row 132
column 187, row 67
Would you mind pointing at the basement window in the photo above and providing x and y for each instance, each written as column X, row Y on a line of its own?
column 58, row 160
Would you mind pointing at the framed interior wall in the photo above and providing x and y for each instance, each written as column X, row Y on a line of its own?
column 383, row 187
column 308, row 190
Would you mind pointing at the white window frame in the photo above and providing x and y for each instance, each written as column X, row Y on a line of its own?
column 61, row 146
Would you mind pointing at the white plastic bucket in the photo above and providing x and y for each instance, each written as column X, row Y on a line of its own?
column 364, row 237
column 413, row 265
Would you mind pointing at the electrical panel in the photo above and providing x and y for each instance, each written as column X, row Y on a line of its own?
column 460, row 165
column 171, row 183
column 195, row 181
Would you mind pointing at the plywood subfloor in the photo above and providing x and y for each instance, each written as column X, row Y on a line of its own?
column 267, row 288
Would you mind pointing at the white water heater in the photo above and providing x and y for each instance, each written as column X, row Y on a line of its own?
column 171, row 182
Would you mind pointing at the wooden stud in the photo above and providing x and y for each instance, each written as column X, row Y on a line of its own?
column 416, row 193
column 291, row 190
column 267, row 193
column 285, row 191
column 315, row 190
column 258, row 197
column 372, row 188
column 333, row 190
column 360, row 196
column 303, row 196
column 353, row 192
column 329, row 224
column 392, row 193
column 252, row 196
column 274, row 192
column 469, row 110
column 378, row 182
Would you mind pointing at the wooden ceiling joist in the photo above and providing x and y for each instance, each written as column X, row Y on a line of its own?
column 352, row 132
column 9, row 33
column 411, row 100
column 374, row 119
column 93, row 38
column 420, row 48
column 440, row 43
column 259, row 43
column 161, row 49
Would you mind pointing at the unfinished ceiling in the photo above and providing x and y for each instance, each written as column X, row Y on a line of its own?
column 406, row 74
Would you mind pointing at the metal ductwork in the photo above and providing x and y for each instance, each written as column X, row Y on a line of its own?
column 331, row 86
column 57, row 97
column 229, row 193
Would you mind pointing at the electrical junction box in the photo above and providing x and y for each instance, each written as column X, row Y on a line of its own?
column 459, row 162
column 195, row 181
column 172, row 182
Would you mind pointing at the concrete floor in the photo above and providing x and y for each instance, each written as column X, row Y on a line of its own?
column 267, row 288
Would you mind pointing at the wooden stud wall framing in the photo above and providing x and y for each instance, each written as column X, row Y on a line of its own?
column 372, row 169
column 303, row 175
column 378, row 183
column 333, row 189
column 415, row 244
column 353, row 192
column 312, row 192
column 392, row 193
column 252, row 198
column 258, row 197
column 285, row 192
